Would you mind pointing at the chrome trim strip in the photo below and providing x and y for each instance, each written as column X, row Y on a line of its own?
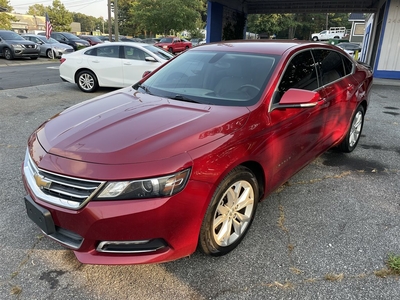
column 30, row 170
column 105, row 243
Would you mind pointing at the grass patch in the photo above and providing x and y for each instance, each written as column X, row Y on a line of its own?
column 393, row 263
column 334, row 277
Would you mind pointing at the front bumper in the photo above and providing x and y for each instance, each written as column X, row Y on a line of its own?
column 124, row 232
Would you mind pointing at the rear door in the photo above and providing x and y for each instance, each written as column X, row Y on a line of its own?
column 339, row 88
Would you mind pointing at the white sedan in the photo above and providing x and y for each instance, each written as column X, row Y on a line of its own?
column 117, row 64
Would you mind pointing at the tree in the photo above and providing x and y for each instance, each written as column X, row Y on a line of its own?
column 60, row 17
column 37, row 10
column 5, row 18
column 164, row 16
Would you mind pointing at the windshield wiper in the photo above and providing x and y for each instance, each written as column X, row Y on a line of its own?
column 143, row 87
column 183, row 98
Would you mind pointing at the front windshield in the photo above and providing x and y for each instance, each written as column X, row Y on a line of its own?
column 50, row 41
column 11, row 36
column 159, row 52
column 220, row 78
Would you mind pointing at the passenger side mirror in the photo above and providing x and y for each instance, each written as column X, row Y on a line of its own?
column 150, row 58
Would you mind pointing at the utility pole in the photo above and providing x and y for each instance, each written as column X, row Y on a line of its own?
column 109, row 22
column 116, row 20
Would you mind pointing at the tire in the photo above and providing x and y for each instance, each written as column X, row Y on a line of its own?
column 315, row 39
column 170, row 50
column 354, row 133
column 87, row 81
column 7, row 53
column 34, row 57
column 187, row 47
column 230, row 213
column 49, row 54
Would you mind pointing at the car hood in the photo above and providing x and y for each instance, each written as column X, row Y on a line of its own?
column 162, row 44
column 23, row 42
column 129, row 127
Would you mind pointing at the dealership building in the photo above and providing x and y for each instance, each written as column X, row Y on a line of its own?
column 380, row 41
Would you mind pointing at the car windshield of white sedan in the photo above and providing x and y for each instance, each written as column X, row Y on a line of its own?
column 159, row 52
column 220, row 78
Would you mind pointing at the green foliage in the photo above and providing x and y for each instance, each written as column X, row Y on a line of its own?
column 5, row 18
column 393, row 263
column 37, row 10
column 60, row 17
column 88, row 23
column 164, row 16
column 196, row 33
column 300, row 25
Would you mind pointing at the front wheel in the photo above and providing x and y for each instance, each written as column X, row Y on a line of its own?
column 170, row 50
column 230, row 212
column 353, row 135
column 50, row 54
column 87, row 81
column 8, row 54
column 315, row 39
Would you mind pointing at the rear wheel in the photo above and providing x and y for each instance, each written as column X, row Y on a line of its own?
column 230, row 213
column 7, row 53
column 353, row 135
column 87, row 81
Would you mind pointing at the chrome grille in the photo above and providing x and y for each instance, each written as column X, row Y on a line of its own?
column 64, row 191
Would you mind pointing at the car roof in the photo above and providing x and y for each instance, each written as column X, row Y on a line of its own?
column 275, row 47
column 119, row 44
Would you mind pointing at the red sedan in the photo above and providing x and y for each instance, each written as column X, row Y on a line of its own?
column 180, row 160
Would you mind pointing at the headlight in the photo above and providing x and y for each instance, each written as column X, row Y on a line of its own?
column 165, row 47
column 146, row 188
column 17, row 46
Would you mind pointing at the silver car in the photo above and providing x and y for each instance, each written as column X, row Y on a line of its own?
column 50, row 48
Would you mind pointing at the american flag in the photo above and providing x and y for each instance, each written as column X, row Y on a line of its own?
column 49, row 28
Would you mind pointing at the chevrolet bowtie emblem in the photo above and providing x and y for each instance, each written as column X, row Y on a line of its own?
column 41, row 182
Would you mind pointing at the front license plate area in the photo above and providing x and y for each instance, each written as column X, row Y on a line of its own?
column 40, row 216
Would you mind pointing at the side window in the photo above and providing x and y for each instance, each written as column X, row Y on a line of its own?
column 134, row 53
column 108, row 51
column 300, row 73
column 92, row 52
column 330, row 65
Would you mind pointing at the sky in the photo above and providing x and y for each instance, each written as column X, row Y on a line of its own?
column 95, row 8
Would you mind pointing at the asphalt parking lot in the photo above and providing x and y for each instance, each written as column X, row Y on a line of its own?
column 323, row 235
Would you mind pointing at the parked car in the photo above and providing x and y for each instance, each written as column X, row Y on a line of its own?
column 181, row 159
column 105, row 39
column 151, row 41
column 195, row 42
column 126, row 39
column 350, row 48
column 69, row 39
column 12, row 45
column 49, row 47
column 92, row 39
column 173, row 44
column 117, row 64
